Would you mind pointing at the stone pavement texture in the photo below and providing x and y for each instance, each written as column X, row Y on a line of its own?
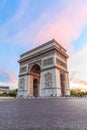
column 44, row 114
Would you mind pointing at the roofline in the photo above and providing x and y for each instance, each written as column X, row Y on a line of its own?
column 53, row 40
column 59, row 45
column 42, row 52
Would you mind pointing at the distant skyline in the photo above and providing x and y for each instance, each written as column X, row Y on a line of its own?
column 25, row 24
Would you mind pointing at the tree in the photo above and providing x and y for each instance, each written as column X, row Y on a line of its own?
column 13, row 93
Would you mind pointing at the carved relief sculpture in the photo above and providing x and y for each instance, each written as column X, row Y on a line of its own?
column 23, row 69
column 22, row 83
column 61, row 63
column 48, row 79
column 48, row 61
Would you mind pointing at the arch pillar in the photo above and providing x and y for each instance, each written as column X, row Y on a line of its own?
column 34, row 80
column 44, row 63
column 63, row 84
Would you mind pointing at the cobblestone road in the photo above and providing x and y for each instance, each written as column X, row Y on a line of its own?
column 44, row 114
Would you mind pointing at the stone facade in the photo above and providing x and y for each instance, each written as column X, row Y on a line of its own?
column 43, row 71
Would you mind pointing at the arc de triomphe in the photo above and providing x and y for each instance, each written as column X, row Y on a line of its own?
column 43, row 71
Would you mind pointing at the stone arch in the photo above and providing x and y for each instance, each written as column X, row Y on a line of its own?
column 35, row 80
column 35, row 69
column 31, row 65
column 63, row 83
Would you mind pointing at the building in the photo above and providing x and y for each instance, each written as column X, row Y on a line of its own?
column 43, row 71
column 4, row 89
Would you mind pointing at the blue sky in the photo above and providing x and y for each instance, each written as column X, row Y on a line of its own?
column 25, row 24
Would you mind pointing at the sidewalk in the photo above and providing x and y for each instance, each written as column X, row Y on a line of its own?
column 6, row 98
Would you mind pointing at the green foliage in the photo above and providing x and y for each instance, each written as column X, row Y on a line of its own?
column 11, row 93
column 77, row 93
column 4, row 94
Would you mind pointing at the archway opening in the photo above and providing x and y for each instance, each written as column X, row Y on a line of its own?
column 35, row 86
column 35, row 69
column 62, row 81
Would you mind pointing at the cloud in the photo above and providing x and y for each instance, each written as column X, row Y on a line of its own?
column 83, row 82
column 12, row 86
column 73, row 74
column 78, row 68
column 15, row 23
column 66, row 27
column 78, row 86
column 9, row 78
column 11, row 75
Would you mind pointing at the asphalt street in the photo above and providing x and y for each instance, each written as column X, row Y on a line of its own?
column 44, row 114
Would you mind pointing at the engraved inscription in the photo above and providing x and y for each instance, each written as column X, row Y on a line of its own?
column 48, row 61
column 61, row 63
column 48, row 79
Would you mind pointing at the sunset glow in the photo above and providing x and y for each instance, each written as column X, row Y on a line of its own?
column 25, row 24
